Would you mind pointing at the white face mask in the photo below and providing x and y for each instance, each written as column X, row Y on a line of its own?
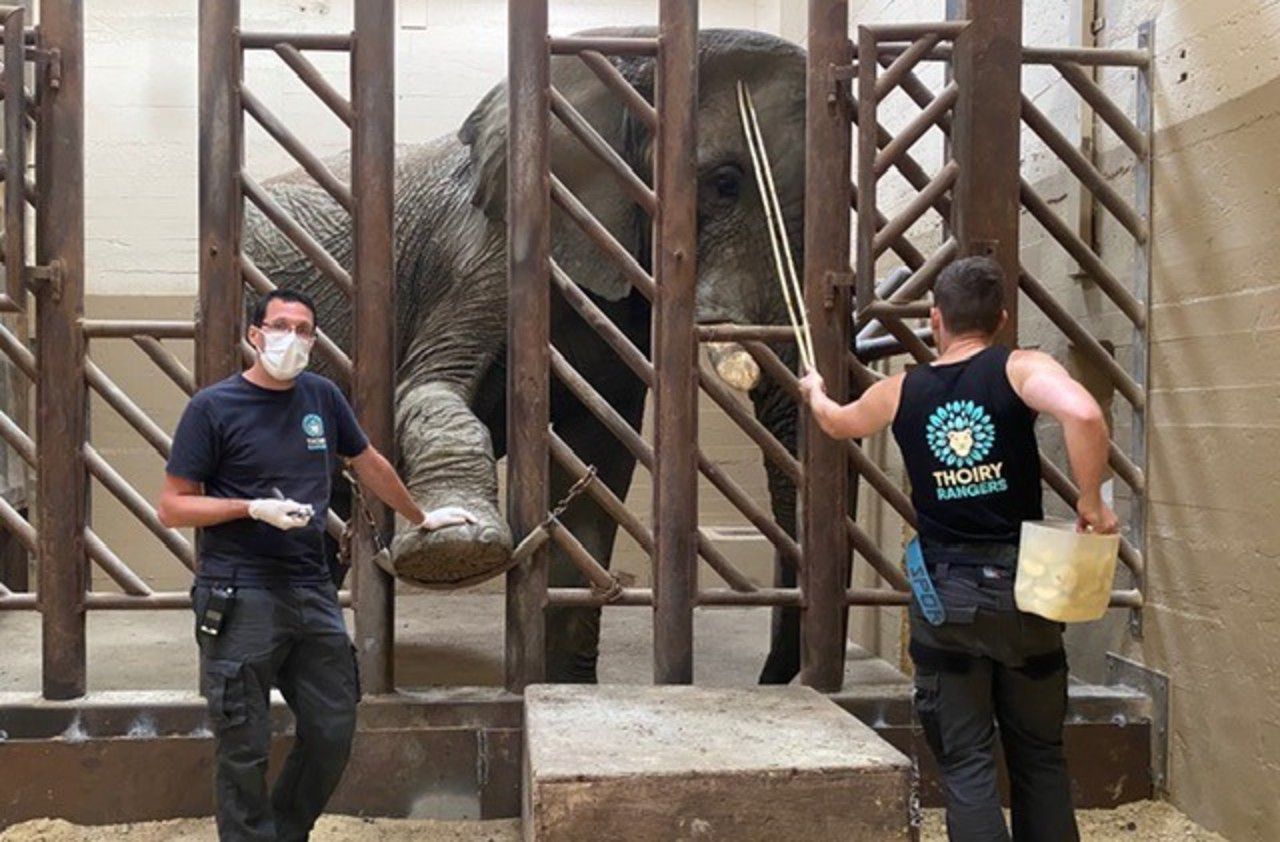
column 284, row 354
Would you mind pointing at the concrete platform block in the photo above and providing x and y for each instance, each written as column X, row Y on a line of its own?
column 659, row 764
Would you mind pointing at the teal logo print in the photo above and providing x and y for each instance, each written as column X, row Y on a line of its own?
column 313, row 427
column 960, row 433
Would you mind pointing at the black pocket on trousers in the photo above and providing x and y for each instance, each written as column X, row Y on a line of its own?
column 228, row 706
column 927, row 686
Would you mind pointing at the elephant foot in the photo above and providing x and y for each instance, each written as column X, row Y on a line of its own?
column 455, row 556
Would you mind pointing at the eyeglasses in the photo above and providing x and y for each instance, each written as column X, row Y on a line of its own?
column 304, row 331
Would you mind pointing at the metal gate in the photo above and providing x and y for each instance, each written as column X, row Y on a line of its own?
column 975, row 195
column 61, row 454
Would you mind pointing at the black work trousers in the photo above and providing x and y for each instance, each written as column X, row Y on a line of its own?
column 989, row 664
column 294, row 639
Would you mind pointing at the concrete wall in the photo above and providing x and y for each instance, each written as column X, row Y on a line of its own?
column 1212, row 622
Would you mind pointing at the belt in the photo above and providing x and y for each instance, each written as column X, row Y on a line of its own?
column 971, row 572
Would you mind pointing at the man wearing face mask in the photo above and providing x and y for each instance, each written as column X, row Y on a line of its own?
column 252, row 465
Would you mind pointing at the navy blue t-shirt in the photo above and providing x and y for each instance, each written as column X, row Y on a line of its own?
column 242, row 441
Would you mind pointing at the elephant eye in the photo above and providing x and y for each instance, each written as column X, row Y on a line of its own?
column 727, row 181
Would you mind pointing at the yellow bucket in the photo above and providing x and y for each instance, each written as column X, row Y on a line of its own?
column 1063, row 574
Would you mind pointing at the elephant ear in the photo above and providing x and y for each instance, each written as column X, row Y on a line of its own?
column 581, row 172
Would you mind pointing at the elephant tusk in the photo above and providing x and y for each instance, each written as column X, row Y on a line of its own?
column 784, row 262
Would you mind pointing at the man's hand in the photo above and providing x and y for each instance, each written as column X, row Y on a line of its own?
column 812, row 384
column 282, row 514
column 444, row 517
column 1095, row 515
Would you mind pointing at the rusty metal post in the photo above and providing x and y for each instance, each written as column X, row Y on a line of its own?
column 825, row 485
column 221, row 153
column 987, row 139
column 675, row 480
column 60, row 396
column 373, row 351
column 528, row 330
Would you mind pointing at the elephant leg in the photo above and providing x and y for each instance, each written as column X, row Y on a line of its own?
column 783, row 662
column 447, row 460
column 573, row 634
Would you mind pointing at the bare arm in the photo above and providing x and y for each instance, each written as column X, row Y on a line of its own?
column 183, row 503
column 866, row 416
column 377, row 474
column 1045, row 386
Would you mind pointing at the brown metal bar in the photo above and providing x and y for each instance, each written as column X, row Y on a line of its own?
column 906, row 137
column 563, row 46
column 103, row 472
column 883, row 347
column 863, row 377
column 988, row 70
column 1088, row 259
column 606, row 154
column 584, row 598
column 19, row 602
column 314, row 79
column 903, row 64
column 373, row 335
column 921, row 202
column 221, row 299
column 1082, row 339
column 1104, row 106
column 110, row 563
column 876, row 596
column 19, row 526
column 867, row 548
column 917, row 285
column 297, row 150
column 602, row 325
column 721, row 597
column 902, row 247
column 124, row 406
column 296, row 234
column 60, row 397
column 329, row 350
column 773, row 450
column 331, row 42
column 528, row 332
column 868, row 204
column 824, row 489
column 167, row 362
column 621, row 88
column 913, row 31
column 644, row 454
column 603, row 239
column 675, row 395
column 18, row 353
column 744, row 333
column 130, row 328
column 1095, row 56
column 15, row 146
column 582, row 559
column 1084, row 170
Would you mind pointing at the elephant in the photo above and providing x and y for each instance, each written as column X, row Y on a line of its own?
column 451, row 303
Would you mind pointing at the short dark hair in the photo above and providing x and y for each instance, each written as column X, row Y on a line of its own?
column 260, row 307
column 970, row 295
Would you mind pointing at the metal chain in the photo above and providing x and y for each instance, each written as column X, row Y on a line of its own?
column 361, row 509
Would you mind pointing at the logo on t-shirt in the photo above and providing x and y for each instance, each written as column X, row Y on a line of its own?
column 961, row 434
column 313, row 428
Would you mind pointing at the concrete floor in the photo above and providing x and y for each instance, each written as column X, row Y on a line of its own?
column 449, row 639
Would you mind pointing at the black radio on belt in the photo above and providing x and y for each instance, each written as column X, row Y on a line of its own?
column 215, row 612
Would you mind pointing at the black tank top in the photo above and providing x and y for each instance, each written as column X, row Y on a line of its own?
column 969, row 444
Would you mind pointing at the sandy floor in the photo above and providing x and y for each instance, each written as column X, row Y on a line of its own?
column 1144, row 822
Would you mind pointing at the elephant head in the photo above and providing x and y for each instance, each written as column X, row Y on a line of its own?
column 735, row 275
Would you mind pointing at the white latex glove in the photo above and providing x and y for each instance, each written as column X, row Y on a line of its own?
column 446, row 516
column 282, row 514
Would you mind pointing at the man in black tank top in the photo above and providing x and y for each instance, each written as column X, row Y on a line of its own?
column 966, row 428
